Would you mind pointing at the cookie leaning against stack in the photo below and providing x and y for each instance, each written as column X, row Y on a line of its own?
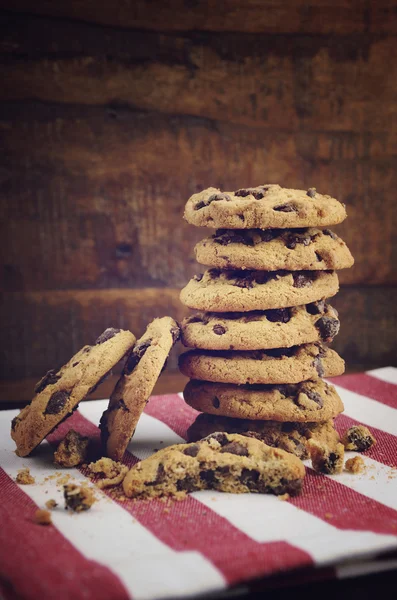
column 258, row 338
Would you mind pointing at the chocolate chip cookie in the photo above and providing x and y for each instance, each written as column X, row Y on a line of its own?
column 310, row 401
column 280, row 365
column 291, row 437
column 266, row 206
column 141, row 371
column 274, row 249
column 256, row 330
column 223, row 462
column 59, row 392
column 242, row 291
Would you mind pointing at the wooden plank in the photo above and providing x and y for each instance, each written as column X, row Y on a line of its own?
column 95, row 199
column 286, row 82
column 41, row 330
column 324, row 16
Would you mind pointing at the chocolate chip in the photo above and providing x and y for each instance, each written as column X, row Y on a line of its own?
column 286, row 208
column 57, row 402
column 160, row 476
column 192, row 450
column 258, row 193
column 235, row 448
column 218, row 436
column 121, row 404
column 361, row 441
column 87, row 349
column 213, row 198
column 249, row 477
column 135, row 356
column 200, row 205
column 241, row 217
column 107, row 335
column 294, row 238
column 301, row 280
column 188, row 484
column 219, row 329
column 311, row 394
column 14, row 423
column 243, row 193
column 316, row 308
column 330, row 233
column 328, row 328
column 318, row 256
column 49, row 378
column 225, row 237
column 208, row 477
column 311, row 192
column 293, row 488
column 175, row 333
column 198, row 277
column 318, row 365
column 278, row 315
column 75, row 364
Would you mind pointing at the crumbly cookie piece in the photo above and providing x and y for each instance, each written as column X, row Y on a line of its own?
column 274, row 249
column 223, row 462
column 24, row 477
column 59, row 392
column 358, row 438
column 325, row 459
column 224, row 291
column 310, row 401
column 280, row 365
column 42, row 517
column 78, row 498
column 291, row 437
column 142, row 369
column 355, row 465
column 257, row 330
column 72, row 450
column 263, row 207
column 112, row 472
column 51, row 504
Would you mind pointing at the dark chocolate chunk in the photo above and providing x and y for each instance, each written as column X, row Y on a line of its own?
column 249, row 477
column 318, row 256
column 135, row 356
column 294, row 238
column 214, row 273
column 57, row 402
column 176, row 334
column 311, row 192
column 121, row 404
column 360, row 441
column 208, row 477
column 219, row 329
column 316, row 308
column 215, row 402
column 218, row 436
column 213, row 198
column 75, row 364
column 330, row 233
column 160, row 476
column 49, row 378
column 301, row 280
column 188, row 484
column 107, row 335
column 318, row 365
column 311, row 394
column 286, row 208
column 293, row 488
column 14, row 423
column 200, row 205
column 235, row 448
column 192, row 450
column 328, row 328
column 198, row 277
column 225, row 237
column 258, row 193
column 278, row 315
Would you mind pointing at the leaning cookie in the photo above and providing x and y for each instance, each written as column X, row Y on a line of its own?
column 132, row 391
column 223, row 462
column 291, row 437
column 242, row 291
column 311, row 401
column 281, row 365
column 59, row 392
column 263, row 207
column 256, row 330
column 274, row 249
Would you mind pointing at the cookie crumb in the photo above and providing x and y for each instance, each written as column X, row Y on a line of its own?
column 64, row 479
column 325, row 459
column 42, row 517
column 284, row 497
column 24, row 477
column 78, row 498
column 358, row 438
column 355, row 465
column 113, row 472
column 72, row 450
column 328, row 515
column 51, row 504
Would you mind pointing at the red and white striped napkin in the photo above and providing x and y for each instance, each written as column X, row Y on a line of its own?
column 210, row 541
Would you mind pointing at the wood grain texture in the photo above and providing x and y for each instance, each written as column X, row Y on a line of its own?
column 286, row 82
column 250, row 16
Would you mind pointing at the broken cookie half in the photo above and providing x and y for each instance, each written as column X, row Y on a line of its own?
column 224, row 462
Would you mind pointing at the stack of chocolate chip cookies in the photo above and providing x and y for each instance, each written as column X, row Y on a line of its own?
column 259, row 338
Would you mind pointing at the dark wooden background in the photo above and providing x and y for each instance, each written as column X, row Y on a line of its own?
column 113, row 113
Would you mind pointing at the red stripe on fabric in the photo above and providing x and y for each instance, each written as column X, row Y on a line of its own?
column 384, row 451
column 173, row 411
column 320, row 495
column 38, row 562
column 371, row 387
column 189, row 525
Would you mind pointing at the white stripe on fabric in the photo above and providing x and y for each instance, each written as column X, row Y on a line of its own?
column 108, row 534
column 368, row 411
column 388, row 374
